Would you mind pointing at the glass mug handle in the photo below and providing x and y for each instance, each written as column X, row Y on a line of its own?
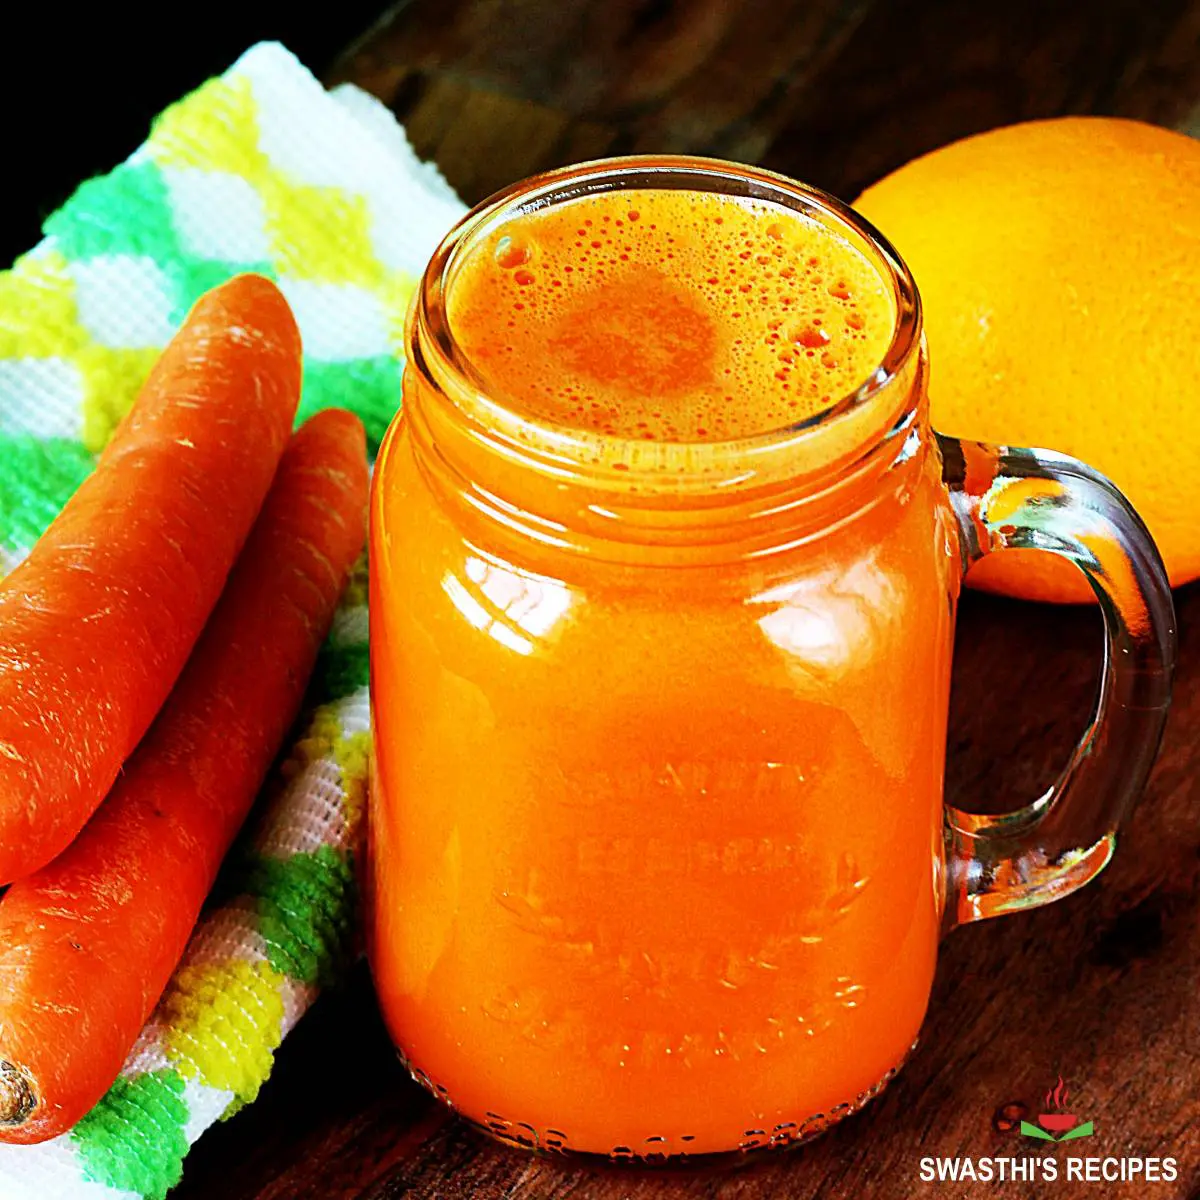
column 1010, row 498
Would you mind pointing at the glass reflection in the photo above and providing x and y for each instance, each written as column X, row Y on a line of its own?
column 515, row 608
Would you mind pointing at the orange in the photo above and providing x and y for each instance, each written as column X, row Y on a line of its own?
column 1059, row 262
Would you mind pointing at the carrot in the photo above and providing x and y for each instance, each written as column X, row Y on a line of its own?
column 88, row 944
column 97, row 623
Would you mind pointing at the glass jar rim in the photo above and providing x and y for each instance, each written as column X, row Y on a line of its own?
column 441, row 354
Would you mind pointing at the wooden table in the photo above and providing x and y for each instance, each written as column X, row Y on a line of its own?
column 1101, row 988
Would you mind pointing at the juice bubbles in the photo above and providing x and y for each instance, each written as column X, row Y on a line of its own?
column 660, row 683
column 670, row 316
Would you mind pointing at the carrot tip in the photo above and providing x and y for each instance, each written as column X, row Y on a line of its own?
column 17, row 1097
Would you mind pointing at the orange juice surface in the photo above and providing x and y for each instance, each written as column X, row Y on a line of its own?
column 672, row 316
column 656, row 847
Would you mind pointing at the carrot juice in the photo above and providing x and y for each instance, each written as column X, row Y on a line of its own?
column 663, row 575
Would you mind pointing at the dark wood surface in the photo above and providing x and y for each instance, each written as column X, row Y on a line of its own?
column 1101, row 988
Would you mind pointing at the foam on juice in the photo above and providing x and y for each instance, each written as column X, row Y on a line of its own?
column 670, row 316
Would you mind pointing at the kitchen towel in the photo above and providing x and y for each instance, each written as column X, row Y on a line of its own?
column 259, row 170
